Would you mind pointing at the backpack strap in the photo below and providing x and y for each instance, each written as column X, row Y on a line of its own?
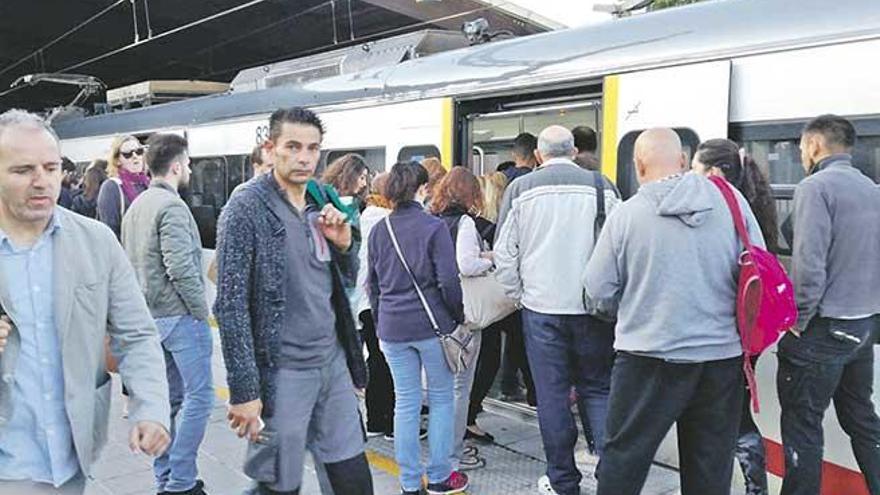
column 600, row 205
column 742, row 233
column 733, row 205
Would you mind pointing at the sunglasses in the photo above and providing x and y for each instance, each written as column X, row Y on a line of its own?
column 129, row 154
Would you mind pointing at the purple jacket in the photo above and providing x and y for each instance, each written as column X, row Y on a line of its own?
column 428, row 249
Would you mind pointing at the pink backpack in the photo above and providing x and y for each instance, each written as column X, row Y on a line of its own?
column 765, row 306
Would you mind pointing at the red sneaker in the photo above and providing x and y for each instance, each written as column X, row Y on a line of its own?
column 455, row 483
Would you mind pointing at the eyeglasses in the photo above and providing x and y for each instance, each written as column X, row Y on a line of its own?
column 129, row 154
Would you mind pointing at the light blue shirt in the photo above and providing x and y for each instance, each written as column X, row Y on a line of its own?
column 37, row 443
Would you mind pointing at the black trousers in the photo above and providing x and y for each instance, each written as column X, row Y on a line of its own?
column 832, row 360
column 380, row 387
column 649, row 395
column 488, row 363
column 515, row 359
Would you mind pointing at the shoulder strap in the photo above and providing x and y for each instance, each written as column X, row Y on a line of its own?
column 733, row 205
column 600, row 204
column 411, row 276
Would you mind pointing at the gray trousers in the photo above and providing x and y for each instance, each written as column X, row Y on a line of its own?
column 464, row 381
column 315, row 410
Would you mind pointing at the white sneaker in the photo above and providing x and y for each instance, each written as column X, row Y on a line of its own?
column 544, row 486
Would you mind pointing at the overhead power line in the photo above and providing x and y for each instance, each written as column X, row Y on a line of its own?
column 76, row 28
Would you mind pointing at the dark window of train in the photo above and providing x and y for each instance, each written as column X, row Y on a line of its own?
column 375, row 158
column 238, row 170
column 206, row 195
column 626, row 173
column 776, row 149
column 417, row 153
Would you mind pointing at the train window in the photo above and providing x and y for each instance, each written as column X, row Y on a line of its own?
column 238, row 170
column 207, row 195
column 626, row 174
column 417, row 153
column 566, row 117
column 375, row 158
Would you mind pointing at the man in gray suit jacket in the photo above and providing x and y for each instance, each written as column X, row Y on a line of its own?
column 65, row 284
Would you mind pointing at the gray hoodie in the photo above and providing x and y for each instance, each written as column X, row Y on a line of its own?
column 666, row 263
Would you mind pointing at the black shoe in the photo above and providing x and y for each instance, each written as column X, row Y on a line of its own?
column 407, row 492
column 423, row 434
column 198, row 489
column 486, row 437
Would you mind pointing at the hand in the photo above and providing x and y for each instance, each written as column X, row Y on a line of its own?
column 149, row 437
column 795, row 331
column 244, row 419
column 5, row 330
column 334, row 227
column 488, row 255
column 360, row 393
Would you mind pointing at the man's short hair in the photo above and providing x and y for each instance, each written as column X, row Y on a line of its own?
column 524, row 145
column 836, row 130
column 556, row 142
column 293, row 115
column 15, row 117
column 162, row 150
column 585, row 139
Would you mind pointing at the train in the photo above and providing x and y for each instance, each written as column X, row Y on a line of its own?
column 751, row 70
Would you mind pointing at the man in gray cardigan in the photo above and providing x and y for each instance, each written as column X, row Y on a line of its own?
column 64, row 286
column 162, row 241
column 836, row 275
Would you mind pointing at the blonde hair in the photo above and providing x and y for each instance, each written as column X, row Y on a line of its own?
column 113, row 158
column 493, row 186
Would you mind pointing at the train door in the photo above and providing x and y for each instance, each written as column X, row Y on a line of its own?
column 489, row 126
column 692, row 99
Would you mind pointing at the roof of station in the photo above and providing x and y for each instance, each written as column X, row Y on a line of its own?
column 123, row 42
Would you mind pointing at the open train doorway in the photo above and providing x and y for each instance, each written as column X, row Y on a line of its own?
column 490, row 125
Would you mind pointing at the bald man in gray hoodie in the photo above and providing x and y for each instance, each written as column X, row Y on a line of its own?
column 666, row 265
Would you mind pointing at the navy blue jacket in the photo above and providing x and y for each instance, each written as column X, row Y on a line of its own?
column 251, row 300
column 428, row 249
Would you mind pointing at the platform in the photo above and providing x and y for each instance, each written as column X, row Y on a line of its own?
column 514, row 462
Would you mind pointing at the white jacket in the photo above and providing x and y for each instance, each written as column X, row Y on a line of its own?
column 545, row 236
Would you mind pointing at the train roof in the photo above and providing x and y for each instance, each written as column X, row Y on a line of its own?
column 704, row 31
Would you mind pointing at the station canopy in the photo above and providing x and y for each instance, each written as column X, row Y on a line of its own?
column 123, row 42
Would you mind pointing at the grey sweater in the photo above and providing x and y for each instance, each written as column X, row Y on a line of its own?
column 836, row 252
column 666, row 264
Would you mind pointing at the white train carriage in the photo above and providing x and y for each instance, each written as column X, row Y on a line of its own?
column 751, row 70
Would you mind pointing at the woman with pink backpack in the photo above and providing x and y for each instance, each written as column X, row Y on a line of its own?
column 723, row 158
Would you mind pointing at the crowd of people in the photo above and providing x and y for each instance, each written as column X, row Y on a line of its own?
column 351, row 286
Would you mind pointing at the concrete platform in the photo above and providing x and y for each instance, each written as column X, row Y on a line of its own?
column 514, row 462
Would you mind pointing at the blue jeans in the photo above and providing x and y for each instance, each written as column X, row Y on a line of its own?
column 568, row 351
column 187, row 344
column 406, row 360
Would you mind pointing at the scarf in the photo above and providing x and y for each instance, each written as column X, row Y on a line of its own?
column 133, row 184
